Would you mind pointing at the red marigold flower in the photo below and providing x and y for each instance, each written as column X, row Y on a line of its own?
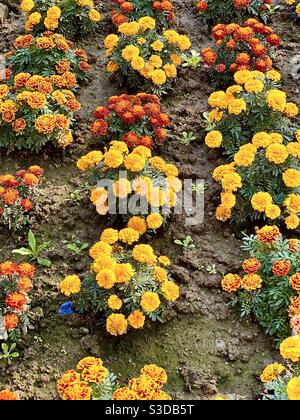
column 243, row 58
column 101, row 112
column 209, row 56
column 251, row 265
column 146, row 141
column 281, row 268
column 118, row 18
column 7, row 395
column 131, row 139
column 35, row 170
column 15, row 301
column 99, row 128
column 160, row 134
column 8, row 268
column 220, row 68
column 26, row 204
column 128, row 117
column 26, row 269
column 273, row 39
column 21, row 173
column 152, row 109
column 241, row 4
column 11, row 321
column 295, row 282
column 202, row 6
column 24, row 284
column 127, row 7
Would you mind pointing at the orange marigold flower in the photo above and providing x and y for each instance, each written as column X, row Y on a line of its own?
column 231, row 283
column 251, row 265
column 281, row 268
column 7, row 395
column 295, row 282
column 30, row 179
column 10, row 196
column 11, row 321
column 15, row 301
column 268, row 234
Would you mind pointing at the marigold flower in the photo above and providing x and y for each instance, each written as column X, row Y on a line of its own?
column 271, row 372
column 110, row 236
column 106, row 278
column 100, row 248
column 129, row 236
column 251, row 265
column 6, row 395
column 70, row 285
column 213, row 139
column 290, row 348
column 136, row 319
column 251, row 282
column 116, row 324
column 114, row 303
column 293, row 387
column 138, row 224
column 170, row 290
column 11, row 321
column 124, row 394
column 95, row 373
column 15, row 301
column 295, row 282
column 231, row 283
column 150, row 301
column 291, row 178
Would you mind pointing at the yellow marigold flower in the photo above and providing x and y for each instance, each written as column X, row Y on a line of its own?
column 129, row 28
column 100, row 248
column 170, row 290
column 116, row 324
column 234, row 89
column 293, row 386
column 214, row 139
column 121, row 146
column 277, row 153
column 154, row 221
column 272, row 211
column 163, row 260
column 218, row 100
column 170, row 70
column 70, row 285
column 122, row 188
column 292, row 202
column 184, row 42
column 291, row 178
column 174, row 183
column 223, row 213
column 274, row 75
column 137, row 63
column 112, row 66
column 129, row 236
column 134, row 162
column 290, row 348
column 105, row 261
column 176, row 59
column 129, row 52
column 228, row 199
column 244, row 157
column 251, row 282
column 141, row 41
column 261, row 139
column 159, row 77
column 27, row 5
column 136, row 320
column 150, row 301
column 156, row 61
column 109, row 236
column 147, row 71
column 87, row 362
column 237, row 106
column 294, row 149
column 90, row 160
column 276, row 138
column 114, row 303
column 143, row 151
column 221, row 171
column 271, row 372
column 291, row 110
column 98, row 196
column 161, row 274
column 254, row 86
column 142, row 185
column 231, row 182
column 144, row 254
column 111, row 41
column 94, row 15
column 34, row 18
column 113, row 158
column 298, row 9
column 261, row 200
column 96, row 373
column 292, row 221
column 147, row 22
column 158, row 163
column 215, row 115
column 171, row 36
column 138, row 224
column 106, row 278
column 171, row 170
column 231, row 283
column 156, row 373
column 276, row 99
column 123, row 272
column 157, row 45
column 243, row 76
column 54, row 12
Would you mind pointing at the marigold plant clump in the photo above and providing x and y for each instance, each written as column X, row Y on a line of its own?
column 246, row 47
column 161, row 10
column 150, row 186
column 92, row 381
column 254, row 104
column 36, row 110
column 148, row 386
column 227, row 11
column 47, row 55
column 7, row 395
column 68, row 17
column 283, row 382
column 128, row 282
column 263, row 182
column 18, row 194
column 144, row 57
column 137, row 120
column 270, row 287
column 15, row 285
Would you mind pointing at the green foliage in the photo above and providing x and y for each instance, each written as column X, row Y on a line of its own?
column 187, row 243
column 271, row 302
column 8, row 354
column 193, row 60
column 76, row 246
column 186, row 138
column 34, row 250
column 104, row 390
